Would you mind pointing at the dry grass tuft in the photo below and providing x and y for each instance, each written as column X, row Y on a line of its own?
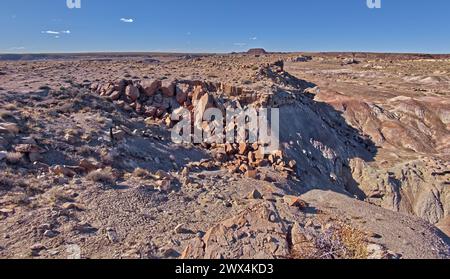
column 141, row 173
column 6, row 183
column 337, row 242
column 10, row 107
column 4, row 114
column 14, row 158
column 355, row 242
column 104, row 176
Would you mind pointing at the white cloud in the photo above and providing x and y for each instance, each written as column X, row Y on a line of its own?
column 240, row 44
column 253, row 38
column 51, row 32
column 57, row 34
column 17, row 48
column 127, row 20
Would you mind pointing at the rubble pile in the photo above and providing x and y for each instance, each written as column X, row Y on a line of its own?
column 157, row 99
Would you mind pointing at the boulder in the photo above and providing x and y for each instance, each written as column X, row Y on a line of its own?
column 197, row 94
column 35, row 157
column 204, row 103
column 243, row 148
column 132, row 92
column 294, row 201
column 255, row 195
column 252, row 174
column 115, row 95
column 150, row 111
column 236, row 238
column 182, row 93
column 120, row 85
column 150, row 87
column 168, row 88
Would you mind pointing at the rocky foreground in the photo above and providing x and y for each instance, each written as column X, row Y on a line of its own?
column 88, row 167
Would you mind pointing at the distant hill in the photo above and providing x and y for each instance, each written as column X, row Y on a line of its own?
column 257, row 51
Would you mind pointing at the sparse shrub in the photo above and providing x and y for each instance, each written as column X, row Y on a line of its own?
column 21, row 199
column 104, row 176
column 108, row 158
column 355, row 241
column 5, row 114
column 10, row 107
column 142, row 173
column 59, row 197
column 340, row 241
column 14, row 158
column 85, row 150
column 100, row 119
column 6, row 183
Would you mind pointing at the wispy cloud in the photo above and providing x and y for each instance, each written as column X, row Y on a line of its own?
column 56, row 34
column 127, row 20
column 240, row 44
column 253, row 38
column 17, row 48
column 51, row 32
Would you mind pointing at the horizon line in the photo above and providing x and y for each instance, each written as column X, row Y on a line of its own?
column 218, row 53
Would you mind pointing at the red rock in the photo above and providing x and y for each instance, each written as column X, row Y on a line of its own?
column 182, row 93
column 62, row 170
column 295, row 202
column 88, row 165
column 198, row 93
column 115, row 95
column 150, row 111
column 132, row 92
column 252, row 174
column 205, row 102
column 151, row 87
column 168, row 88
column 243, row 148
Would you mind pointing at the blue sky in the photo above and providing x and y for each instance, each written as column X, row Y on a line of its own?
column 225, row 25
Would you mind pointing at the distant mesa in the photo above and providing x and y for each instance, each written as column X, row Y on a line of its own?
column 257, row 51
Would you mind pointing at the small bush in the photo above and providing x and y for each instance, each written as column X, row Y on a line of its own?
column 142, row 173
column 14, row 158
column 104, row 176
column 85, row 150
column 6, row 183
column 10, row 107
column 5, row 114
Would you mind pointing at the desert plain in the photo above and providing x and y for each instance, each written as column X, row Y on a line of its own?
column 88, row 168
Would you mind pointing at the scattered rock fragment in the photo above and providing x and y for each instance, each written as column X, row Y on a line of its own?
column 10, row 128
column 62, row 170
column 294, row 201
column 255, row 195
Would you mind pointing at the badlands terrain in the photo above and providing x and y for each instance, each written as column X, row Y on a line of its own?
column 88, row 168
